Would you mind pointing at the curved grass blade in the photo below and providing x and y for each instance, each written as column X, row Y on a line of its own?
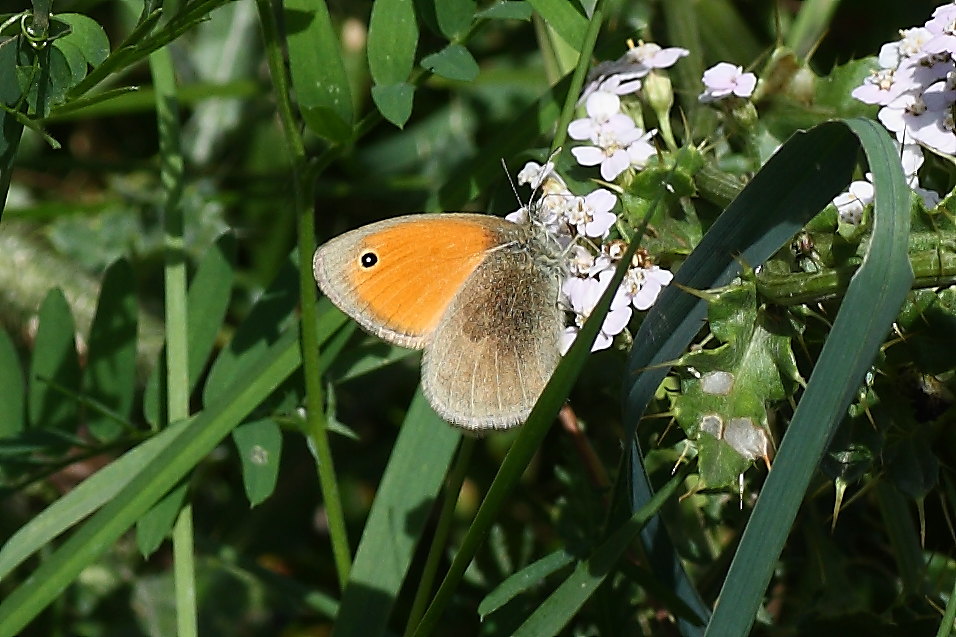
column 799, row 180
column 872, row 302
column 523, row 580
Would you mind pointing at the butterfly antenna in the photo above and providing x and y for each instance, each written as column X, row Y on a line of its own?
column 514, row 188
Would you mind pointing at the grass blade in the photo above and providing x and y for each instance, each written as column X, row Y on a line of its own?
column 869, row 308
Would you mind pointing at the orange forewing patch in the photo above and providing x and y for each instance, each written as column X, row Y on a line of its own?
column 421, row 266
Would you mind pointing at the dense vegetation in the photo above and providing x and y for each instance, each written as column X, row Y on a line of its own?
column 193, row 440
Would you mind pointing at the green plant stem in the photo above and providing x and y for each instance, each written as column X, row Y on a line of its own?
column 931, row 269
column 303, row 184
column 452, row 488
column 177, row 348
column 949, row 616
column 577, row 80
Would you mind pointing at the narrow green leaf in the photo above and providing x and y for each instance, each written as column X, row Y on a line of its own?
column 565, row 18
column 82, row 500
column 54, row 361
column 454, row 16
column 394, row 101
column 156, row 524
column 411, row 482
column 208, row 299
column 110, row 375
column 872, row 301
column 523, row 580
column 453, row 62
column 259, row 444
column 12, row 397
column 87, row 35
column 507, row 10
column 318, row 72
column 392, row 40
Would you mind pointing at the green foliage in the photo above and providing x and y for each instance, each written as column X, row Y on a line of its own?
column 788, row 338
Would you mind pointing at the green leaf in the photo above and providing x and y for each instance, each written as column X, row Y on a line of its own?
column 87, row 35
column 259, row 444
column 453, row 62
column 74, row 59
column 523, row 580
column 156, row 524
column 507, row 10
column 392, row 40
column 318, row 72
column 110, row 377
column 454, row 16
column 394, row 102
column 206, row 303
column 10, row 90
column 54, row 366
column 722, row 405
column 565, row 18
column 411, row 482
column 12, row 414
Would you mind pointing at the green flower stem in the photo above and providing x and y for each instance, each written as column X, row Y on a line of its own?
column 437, row 549
column 177, row 348
column 931, row 268
column 577, row 80
column 303, row 183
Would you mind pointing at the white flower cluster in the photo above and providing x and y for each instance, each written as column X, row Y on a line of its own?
column 614, row 141
column 916, row 88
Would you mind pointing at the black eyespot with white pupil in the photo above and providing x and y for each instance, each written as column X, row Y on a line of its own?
column 368, row 259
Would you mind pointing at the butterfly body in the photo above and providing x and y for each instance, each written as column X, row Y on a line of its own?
column 476, row 292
